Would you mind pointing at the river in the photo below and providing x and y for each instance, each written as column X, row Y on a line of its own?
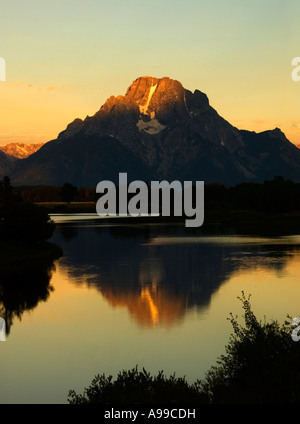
column 153, row 295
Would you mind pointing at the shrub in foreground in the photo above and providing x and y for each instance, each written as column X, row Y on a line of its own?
column 137, row 387
column 22, row 221
column 261, row 365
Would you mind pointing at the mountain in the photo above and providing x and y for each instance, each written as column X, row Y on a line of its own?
column 20, row 150
column 159, row 130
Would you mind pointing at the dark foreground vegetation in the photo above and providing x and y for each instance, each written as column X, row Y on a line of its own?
column 24, row 231
column 261, row 366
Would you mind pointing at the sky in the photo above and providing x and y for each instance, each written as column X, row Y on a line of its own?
column 65, row 58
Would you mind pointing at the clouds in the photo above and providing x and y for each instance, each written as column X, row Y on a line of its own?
column 31, row 86
column 27, row 136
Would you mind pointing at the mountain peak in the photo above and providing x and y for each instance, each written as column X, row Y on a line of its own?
column 20, row 150
column 144, row 89
column 158, row 98
column 163, row 99
column 159, row 130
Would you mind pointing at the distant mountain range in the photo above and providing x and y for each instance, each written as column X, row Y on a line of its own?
column 20, row 150
column 157, row 130
column 10, row 154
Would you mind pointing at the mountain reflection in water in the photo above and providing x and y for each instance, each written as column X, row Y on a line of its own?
column 160, row 272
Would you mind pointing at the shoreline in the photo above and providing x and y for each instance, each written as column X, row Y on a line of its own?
column 17, row 257
column 214, row 219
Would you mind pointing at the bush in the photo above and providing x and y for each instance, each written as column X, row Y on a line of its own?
column 261, row 365
column 21, row 220
column 27, row 222
column 137, row 387
column 68, row 192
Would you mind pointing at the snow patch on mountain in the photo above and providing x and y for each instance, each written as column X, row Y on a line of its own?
column 20, row 150
column 151, row 127
column 144, row 109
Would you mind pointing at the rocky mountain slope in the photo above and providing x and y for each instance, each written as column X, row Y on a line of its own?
column 7, row 164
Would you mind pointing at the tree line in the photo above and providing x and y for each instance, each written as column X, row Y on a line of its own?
column 277, row 195
column 52, row 193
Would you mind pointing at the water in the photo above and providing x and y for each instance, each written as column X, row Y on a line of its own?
column 156, row 296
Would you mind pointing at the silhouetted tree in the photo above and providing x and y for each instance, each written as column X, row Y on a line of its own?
column 261, row 364
column 68, row 192
column 6, row 191
column 21, row 220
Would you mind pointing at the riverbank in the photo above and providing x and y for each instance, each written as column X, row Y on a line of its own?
column 73, row 207
column 252, row 222
column 17, row 257
column 227, row 219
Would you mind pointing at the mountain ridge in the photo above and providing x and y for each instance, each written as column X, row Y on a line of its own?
column 20, row 150
column 159, row 130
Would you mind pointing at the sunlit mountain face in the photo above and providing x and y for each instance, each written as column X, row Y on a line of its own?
column 159, row 130
column 20, row 150
column 10, row 154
